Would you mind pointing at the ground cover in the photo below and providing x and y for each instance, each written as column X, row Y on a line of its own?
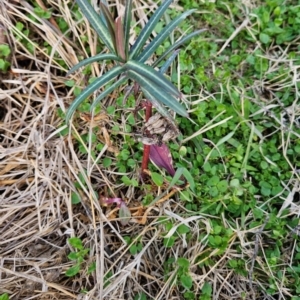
column 233, row 236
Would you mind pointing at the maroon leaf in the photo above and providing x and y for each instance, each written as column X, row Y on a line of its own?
column 120, row 38
column 109, row 201
column 124, row 212
column 161, row 156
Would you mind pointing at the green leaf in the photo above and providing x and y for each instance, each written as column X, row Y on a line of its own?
column 186, row 281
column 189, row 178
column 168, row 62
column 70, row 83
column 73, row 270
column 176, row 177
column 147, row 30
column 75, row 198
column 213, row 180
column 133, row 250
column 107, row 91
column 4, row 50
column 141, row 296
column 92, row 268
column 177, row 45
column 182, row 229
column 222, row 186
column 235, row 183
column 98, row 83
column 169, row 242
column 126, row 180
column 127, row 25
column 4, row 296
column 95, row 58
column 157, row 178
column 264, row 38
column 4, row 65
column 183, row 263
column 76, row 243
column 40, row 12
column 207, row 289
column 152, row 75
column 157, row 94
column 107, row 162
column 158, row 40
column 96, row 23
column 73, row 255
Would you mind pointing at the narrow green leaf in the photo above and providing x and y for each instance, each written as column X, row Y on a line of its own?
column 120, row 38
column 108, row 91
column 176, row 45
column 102, row 14
column 157, row 178
column 156, row 93
column 95, row 58
column 168, row 62
column 76, row 243
column 152, row 75
column 189, row 178
column 4, row 296
column 147, row 30
column 110, row 22
column 73, row 271
column 176, row 177
column 158, row 40
column 169, row 242
column 75, row 198
column 127, row 25
column 98, row 83
column 97, row 23
column 186, row 281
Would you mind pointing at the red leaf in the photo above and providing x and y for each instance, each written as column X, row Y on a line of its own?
column 161, row 156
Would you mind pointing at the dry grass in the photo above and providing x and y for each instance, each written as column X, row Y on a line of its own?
column 38, row 168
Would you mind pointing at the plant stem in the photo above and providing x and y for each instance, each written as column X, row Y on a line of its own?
column 146, row 152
